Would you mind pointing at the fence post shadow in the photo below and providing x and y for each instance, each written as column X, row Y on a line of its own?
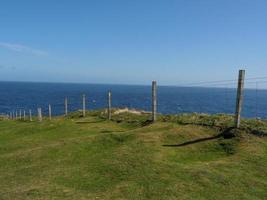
column 227, row 134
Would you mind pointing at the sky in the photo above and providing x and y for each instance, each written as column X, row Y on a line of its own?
column 132, row 41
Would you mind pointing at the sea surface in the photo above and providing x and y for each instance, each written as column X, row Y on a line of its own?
column 171, row 100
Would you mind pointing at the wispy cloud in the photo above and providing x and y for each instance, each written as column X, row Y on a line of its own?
column 22, row 49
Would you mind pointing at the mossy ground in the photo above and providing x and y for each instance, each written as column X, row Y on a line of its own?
column 179, row 157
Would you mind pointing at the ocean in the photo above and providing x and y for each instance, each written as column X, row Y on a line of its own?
column 171, row 99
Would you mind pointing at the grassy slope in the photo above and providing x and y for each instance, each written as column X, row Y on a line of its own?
column 63, row 159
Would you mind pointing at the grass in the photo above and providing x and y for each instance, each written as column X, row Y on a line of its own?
column 179, row 157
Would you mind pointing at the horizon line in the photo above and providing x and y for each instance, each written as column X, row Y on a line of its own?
column 125, row 84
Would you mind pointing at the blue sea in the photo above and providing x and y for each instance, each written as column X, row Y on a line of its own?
column 171, row 99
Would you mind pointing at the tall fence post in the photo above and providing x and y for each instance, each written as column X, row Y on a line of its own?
column 83, row 105
column 66, row 106
column 24, row 115
column 39, row 110
column 16, row 114
column 109, row 105
column 20, row 114
column 49, row 112
column 154, row 101
column 239, row 97
column 30, row 115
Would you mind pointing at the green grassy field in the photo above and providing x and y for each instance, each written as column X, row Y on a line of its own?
column 178, row 157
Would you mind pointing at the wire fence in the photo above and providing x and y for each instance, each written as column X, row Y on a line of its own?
column 211, row 97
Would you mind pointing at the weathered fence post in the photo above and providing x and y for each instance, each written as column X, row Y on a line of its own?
column 83, row 105
column 30, row 115
column 16, row 114
column 49, row 112
column 66, row 106
column 24, row 115
column 154, row 101
column 13, row 115
column 10, row 115
column 20, row 114
column 39, row 110
column 239, row 97
column 109, row 105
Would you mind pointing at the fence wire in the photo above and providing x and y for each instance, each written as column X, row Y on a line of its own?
column 211, row 97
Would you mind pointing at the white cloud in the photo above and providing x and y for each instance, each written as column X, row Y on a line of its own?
column 22, row 48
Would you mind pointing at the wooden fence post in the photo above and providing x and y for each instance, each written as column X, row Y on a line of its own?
column 109, row 105
column 20, row 114
column 39, row 110
column 154, row 101
column 49, row 112
column 83, row 105
column 24, row 115
column 66, row 106
column 239, row 97
column 30, row 115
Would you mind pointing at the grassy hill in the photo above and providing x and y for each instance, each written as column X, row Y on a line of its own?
column 179, row 157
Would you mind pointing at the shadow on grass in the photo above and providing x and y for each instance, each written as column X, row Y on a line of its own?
column 259, row 133
column 201, row 124
column 89, row 122
column 227, row 133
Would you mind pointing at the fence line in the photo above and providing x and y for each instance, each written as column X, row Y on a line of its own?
column 225, row 96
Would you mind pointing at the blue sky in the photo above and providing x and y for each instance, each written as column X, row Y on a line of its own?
column 132, row 41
